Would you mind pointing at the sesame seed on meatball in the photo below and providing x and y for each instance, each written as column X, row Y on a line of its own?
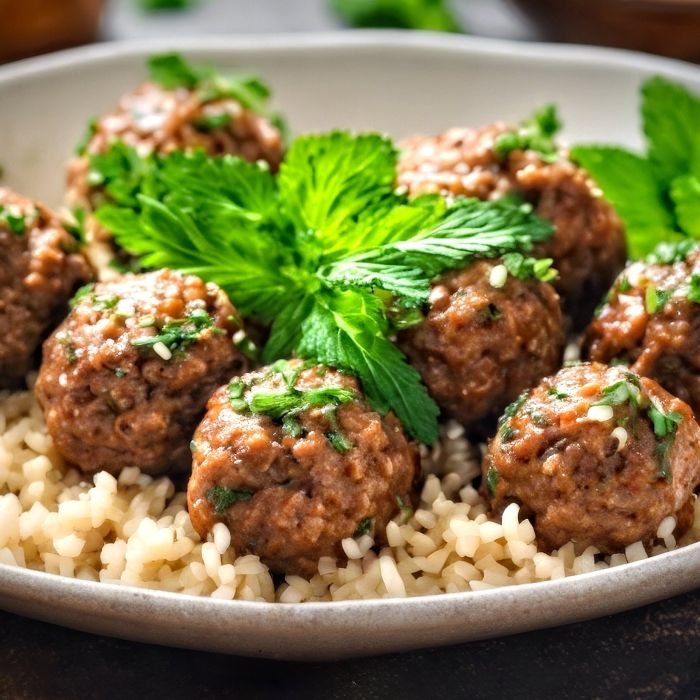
column 651, row 321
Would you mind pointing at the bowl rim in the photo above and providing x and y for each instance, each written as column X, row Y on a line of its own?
column 339, row 40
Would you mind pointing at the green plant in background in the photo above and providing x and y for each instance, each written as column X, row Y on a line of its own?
column 155, row 5
column 402, row 14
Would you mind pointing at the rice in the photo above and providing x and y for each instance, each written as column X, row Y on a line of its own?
column 135, row 530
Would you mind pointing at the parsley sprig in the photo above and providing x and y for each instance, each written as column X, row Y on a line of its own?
column 177, row 335
column 535, row 134
column 324, row 252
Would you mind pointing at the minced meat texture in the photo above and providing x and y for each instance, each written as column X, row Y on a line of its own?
column 40, row 267
column 588, row 246
column 480, row 346
column 295, row 493
column 126, row 377
column 649, row 322
column 153, row 119
column 604, row 475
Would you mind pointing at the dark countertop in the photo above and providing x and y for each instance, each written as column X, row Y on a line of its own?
column 652, row 652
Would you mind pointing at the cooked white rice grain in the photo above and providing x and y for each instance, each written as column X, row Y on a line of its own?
column 135, row 530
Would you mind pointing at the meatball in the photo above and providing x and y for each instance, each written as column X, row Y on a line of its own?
column 153, row 119
column 293, row 460
column 40, row 267
column 127, row 375
column 650, row 321
column 480, row 345
column 588, row 246
column 596, row 455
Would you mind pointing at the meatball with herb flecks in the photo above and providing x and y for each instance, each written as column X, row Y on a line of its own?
column 650, row 320
column 154, row 119
column 588, row 246
column 486, row 337
column 597, row 455
column 40, row 267
column 127, row 375
column 293, row 460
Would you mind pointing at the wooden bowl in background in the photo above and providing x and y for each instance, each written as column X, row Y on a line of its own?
column 667, row 27
column 31, row 27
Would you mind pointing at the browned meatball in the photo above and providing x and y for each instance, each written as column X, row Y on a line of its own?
column 153, row 119
column 40, row 266
column 650, row 322
column 481, row 345
column 595, row 455
column 588, row 246
column 292, row 481
column 127, row 375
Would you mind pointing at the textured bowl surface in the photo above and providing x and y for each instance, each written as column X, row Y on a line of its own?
column 393, row 82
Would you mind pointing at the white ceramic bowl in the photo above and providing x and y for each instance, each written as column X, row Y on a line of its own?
column 394, row 82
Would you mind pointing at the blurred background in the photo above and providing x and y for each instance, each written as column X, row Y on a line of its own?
column 668, row 27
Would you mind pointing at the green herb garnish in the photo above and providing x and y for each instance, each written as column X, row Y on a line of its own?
column 222, row 498
column 492, row 479
column 405, row 511
column 324, row 252
column 655, row 299
column 623, row 391
column 657, row 194
column 526, row 268
column 669, row 252
column 553, row 391
column 120, row 373
column 179, row 334
column 364, row 527
column 17, row 223
column 83, row 293
column 694, row 289
column 433, row 15
column 211, row 122
column 171, row 70
column 90, row 131
column 76, row 228
column 665, row 426
column 535, row 134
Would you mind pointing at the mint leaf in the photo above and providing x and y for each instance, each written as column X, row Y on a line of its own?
column 627, row 180
column 471, row 229
column 671, row 117
column 348, row 330
column 327, row 181
column 685, row 193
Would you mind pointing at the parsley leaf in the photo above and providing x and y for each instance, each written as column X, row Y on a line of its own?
column 694, row 291
column 530, row 268
column 222, row 497
column 16, row 222
column 171, row 70
column 179, row 334
column 534, row 134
